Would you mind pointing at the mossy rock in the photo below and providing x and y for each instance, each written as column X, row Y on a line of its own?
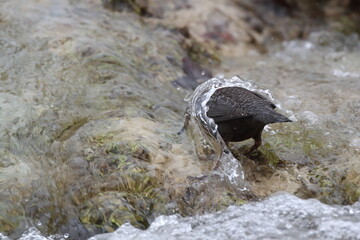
column 331, row 185
column 201, row 54
column 131, row 179
column 351, row 192
column 10, row 216
column 135, row 149
column 110, row 210
column 347, row 25
column 289, row 143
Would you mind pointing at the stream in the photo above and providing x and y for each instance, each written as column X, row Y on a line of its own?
column 91, row 147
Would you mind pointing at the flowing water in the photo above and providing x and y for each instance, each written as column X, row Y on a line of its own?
column 89, row 123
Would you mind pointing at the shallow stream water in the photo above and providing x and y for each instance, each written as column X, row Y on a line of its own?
column 89, row 121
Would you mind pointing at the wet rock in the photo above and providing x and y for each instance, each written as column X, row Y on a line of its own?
column 110, row 210
column 284, row 214
column 133, row 149
column 195, row 75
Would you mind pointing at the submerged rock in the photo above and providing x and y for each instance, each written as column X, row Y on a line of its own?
column 194, row 75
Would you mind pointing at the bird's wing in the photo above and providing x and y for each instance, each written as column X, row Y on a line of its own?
column 265, row 98
column 223, row 109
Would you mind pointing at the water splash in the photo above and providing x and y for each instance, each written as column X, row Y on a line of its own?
column 34, row 234
column 208, row 143
column 342, row 73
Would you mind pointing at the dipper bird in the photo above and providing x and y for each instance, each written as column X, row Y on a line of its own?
column 241, row 114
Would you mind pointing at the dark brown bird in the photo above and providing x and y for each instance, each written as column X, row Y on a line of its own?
column 242, row 114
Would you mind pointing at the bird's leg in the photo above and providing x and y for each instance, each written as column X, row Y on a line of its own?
column 257, row 143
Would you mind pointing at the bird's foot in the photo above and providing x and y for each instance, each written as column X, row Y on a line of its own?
column 252, row 150
column 256, row 145
column 250, row 153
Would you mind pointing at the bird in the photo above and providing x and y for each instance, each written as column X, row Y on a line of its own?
column 242, row 114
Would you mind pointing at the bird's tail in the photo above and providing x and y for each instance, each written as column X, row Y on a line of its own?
column 272, row 116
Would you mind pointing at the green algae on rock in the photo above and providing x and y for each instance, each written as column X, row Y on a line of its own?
column 110, row 210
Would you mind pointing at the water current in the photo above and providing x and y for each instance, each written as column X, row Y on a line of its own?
column 89, row 143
